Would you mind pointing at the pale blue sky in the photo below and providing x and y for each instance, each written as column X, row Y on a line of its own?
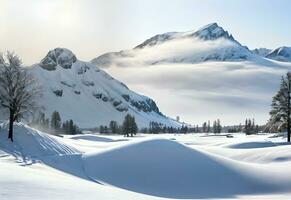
column 90, row 28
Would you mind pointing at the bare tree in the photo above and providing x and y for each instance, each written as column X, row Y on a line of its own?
column 18, row 89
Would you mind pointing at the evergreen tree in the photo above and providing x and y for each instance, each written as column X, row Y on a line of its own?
column 208, row 127
column 113, row 127
column 204, row 127
column 105, row 129
column 46, row 125
column 71, row 128
column 129, row 126
column 219, row 127
column 280, row 108
column 214, row 127
column 56, row 121
column 101, row 129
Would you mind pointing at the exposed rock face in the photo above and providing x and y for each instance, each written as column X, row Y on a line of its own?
column 280, row 54
column 59, row 56
column 212, row 32
column 262, row 51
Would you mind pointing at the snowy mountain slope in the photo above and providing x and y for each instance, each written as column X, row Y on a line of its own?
column 262, row 51
column 210, row 43
column 280, row 54
column 88, row 95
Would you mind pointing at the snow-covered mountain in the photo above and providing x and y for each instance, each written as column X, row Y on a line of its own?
column 262, row 51
column 88, row 95
column 280, row 54
column 203, row 74
column 210, row 43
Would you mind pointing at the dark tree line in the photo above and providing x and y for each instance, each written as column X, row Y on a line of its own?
column 54, row 124
column 251, row 127
column 207, row 128
column 129, row 127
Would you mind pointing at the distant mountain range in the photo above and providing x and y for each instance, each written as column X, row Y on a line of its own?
column 210, row 43
column 208, row 70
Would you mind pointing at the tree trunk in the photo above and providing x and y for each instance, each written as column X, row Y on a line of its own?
column 11, row 120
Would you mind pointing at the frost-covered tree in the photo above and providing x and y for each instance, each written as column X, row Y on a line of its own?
column 280, row 108
column 18, row 89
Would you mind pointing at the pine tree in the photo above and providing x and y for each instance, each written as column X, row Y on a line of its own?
column 204, row 127
column 56, row 121
column 214, row 127
column 105, row 129
column 208, row 127
column 113, row 127
column 129, row 126
column 280, row 111
column 133, row 126
column 126, row 125
column 219, row 127
column 101, row 129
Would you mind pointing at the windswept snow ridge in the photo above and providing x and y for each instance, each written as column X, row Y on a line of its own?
column 30, row 143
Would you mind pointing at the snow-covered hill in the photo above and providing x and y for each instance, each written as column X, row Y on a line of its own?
column 156, row 167
column 88, row 95
column 210, row 43
column 280, row 54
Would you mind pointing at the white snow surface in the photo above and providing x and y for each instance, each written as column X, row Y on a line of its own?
column 174, row 166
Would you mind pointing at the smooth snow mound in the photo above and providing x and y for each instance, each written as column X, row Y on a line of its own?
column 96, row 138
column 31, row 143
column 169, row 169
column 253, row 145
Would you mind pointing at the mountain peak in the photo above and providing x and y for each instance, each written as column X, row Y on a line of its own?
column 209, row 32
column 212, row 32
column 58, row 56
column 281, row 54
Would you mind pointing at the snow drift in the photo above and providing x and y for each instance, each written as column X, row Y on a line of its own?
column 169, row 169
column 30, row 143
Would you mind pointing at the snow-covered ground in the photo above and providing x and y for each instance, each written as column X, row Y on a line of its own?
column 167, row 166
